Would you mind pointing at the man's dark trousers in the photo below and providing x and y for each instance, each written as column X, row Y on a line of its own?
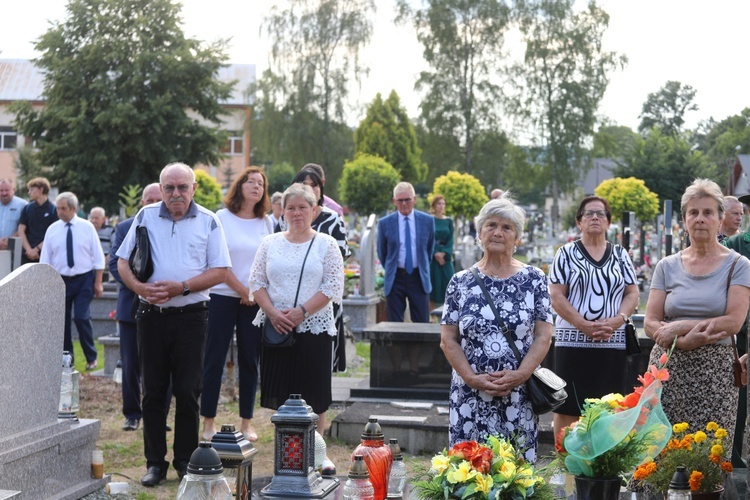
column 79, row 292
column 409, row 286
column 170, row 346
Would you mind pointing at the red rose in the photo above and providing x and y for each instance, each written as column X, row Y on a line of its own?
column 464, row 450
column 482, row 460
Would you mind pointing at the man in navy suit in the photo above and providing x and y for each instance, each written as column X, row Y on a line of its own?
column 406, row 241
column 131, row 373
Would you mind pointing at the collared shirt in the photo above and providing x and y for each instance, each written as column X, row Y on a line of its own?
column 10, row 214
column 402, row 239
column 37, row 218
column 87, row 252
column 181, row 249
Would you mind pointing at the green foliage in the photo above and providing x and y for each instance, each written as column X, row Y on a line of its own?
column 464, row 194
column 130, row 198
column 630, row 195
column 724, row 140
column 121, row 78
column 208, row 192
column 613, row 141
column 387, row 132
column 27, row 166
column 561, row 82
column 462, row 42
column 367, row 184
column 667, row 165
column 666, row 108
column 280, row 177
column 524, row 174
column 315, row 54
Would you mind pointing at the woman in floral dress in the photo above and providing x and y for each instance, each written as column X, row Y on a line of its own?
column 488, row 391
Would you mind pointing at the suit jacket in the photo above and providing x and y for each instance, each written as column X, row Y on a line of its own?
column 125, row 296
column 388, row 246
column 740, row 243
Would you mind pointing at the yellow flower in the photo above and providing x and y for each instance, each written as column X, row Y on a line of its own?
column 484, row 483
column 462, row 473
column 507, row 470
column 721, row 433
column 681, row 427
column 712, row 426
column 440, row 463
column 526, row 482
column 717, row 450
column 700, row 436
column 614, row 400
column 506, row 451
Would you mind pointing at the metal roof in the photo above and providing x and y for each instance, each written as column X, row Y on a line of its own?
column 22, row 80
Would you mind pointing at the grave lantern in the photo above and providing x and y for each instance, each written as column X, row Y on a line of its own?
column 69, row 390
column 294, row 474
column 378, row 457
column 236, row 455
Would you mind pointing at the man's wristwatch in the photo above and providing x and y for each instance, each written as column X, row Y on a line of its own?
column 304, row 312
column 185, row 289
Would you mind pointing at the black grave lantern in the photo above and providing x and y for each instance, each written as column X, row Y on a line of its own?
column 236, row 455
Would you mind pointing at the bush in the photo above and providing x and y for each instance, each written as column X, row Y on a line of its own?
column 367, row 184
column 208, row 193
column 464, row 194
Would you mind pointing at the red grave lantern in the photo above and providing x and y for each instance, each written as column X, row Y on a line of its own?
column 378, row 457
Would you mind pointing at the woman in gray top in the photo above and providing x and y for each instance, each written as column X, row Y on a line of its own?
column 688, row 289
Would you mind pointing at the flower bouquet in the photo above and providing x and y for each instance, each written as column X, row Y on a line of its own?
column 700, row 452
column 616, row 433
column 491, row 471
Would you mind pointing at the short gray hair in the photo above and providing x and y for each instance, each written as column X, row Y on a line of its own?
column 299, row 190
column 703, row 188
column 179, row 165
column 404, row 186
column 504, row 208
column 69, row 198
column 276, row 197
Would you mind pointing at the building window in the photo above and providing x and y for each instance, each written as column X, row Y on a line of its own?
column 233, row 147
column 8, row 138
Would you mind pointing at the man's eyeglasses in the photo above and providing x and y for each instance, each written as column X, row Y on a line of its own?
column 169, row 189
column 403, row 200
column 600, row 214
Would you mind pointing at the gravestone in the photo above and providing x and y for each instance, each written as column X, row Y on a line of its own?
column 40, row 456
column 361, row 308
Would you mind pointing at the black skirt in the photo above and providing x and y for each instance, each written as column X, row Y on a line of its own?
column 304, row 368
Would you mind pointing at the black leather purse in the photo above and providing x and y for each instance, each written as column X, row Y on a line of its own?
column 272, row 337
column 631, row 339
column 140, row 261
column 546, row 389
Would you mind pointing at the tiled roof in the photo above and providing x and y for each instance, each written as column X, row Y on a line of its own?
column 21, row 80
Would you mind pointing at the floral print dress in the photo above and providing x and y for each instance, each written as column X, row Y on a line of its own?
column 521, row 300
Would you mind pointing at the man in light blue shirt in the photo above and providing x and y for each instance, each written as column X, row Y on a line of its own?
column 11, row 207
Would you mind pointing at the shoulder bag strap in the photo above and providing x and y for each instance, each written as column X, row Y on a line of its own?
column 303, row 269
column 500, row 322
column 729, row 282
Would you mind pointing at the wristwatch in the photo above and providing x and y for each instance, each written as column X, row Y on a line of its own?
column 304, row 311
column 625, row 318
column 185, row 289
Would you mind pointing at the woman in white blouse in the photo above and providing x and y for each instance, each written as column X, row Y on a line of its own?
column 305, row 367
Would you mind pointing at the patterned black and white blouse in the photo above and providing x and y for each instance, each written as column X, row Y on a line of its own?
column 327, row 222
column 595, row 290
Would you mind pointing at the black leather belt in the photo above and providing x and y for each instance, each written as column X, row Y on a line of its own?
column 402, row 271
column 198, row 306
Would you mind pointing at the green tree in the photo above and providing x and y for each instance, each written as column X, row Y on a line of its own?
column 524, row 175
column 629, row 195
column 561, row 82
column 464, row 194
column 666, row 108
column 462, row 42
column 387, row 132
column 280, row 176
column 613, row 141
column 367, row 184
column 208, row 192
column 314, row 57
column 27, row 166
column 667, row 164
column 121, row 78
column 724, row 140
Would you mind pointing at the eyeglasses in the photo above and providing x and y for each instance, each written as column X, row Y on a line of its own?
column 403, row 200
column 182, row 188
column 600, row 214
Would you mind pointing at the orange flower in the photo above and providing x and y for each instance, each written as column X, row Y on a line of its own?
column 631, row 400
column 646, row 379
column 645, row 470
column 560, row 441
column 659, row 373
column 715, row 458
column 464, row 450
column 695, row 480
column 663, row 359
column 727, row 466
column 482, row 460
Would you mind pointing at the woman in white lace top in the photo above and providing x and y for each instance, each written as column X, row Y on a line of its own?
column 305, row 367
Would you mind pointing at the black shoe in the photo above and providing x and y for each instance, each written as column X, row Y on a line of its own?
column 168, row 428
column 131, row 424
column 154, row 475
column 181, row 469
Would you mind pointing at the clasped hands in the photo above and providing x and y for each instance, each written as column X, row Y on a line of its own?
column 498, row 384
column 160, row 291
column 286, row 320
column 702, row 333
column 601, row 329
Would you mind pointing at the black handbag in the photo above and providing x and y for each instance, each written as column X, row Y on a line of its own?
column 140, row 261
column 269, row 335
column 546, row 389
column 632, row 347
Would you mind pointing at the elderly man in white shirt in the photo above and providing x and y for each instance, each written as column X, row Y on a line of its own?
column 72, row 247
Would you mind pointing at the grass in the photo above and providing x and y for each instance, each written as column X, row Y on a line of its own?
column 80, row 359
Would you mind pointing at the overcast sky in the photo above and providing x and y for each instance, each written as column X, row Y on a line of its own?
column 699, row 43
